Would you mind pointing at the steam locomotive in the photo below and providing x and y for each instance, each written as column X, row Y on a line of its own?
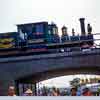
column 41, row 37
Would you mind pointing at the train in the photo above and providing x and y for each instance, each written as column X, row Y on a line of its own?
column 41, row 37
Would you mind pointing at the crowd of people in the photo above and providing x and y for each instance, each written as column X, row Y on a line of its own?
column 73, row 92
column 54, row 92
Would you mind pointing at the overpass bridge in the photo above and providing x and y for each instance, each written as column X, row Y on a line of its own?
column 36, row 68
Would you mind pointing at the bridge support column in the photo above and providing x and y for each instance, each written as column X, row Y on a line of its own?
column 4, row 85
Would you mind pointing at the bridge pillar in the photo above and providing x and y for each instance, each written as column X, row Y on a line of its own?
column 4, row 85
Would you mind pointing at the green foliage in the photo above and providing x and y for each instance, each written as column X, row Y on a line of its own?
column 75, row 82
column 99, row 89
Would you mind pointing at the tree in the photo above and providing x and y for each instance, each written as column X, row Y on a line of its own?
column 75, row 82
column 98, row 90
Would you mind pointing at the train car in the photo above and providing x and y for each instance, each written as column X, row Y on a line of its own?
column 37, row 34
column 8, row 43
column 8, row 40
column 33, row 33
column 41, row 37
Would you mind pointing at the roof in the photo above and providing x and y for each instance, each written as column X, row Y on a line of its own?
column 8, row 33
column 32, row 23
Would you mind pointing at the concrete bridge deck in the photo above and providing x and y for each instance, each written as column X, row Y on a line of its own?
column 51, row 65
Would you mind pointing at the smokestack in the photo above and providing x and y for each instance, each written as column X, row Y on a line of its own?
column 64, row 30
column 73, row 32
column 82, row 24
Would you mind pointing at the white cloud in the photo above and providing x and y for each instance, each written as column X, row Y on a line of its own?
column 61, row 11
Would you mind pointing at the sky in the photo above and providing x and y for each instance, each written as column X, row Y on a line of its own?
column 64, row 81
column 62, row 12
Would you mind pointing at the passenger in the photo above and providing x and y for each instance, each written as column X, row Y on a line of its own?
column 73, row 92
column 55, row 92
column 44, row 91
column 11, row 91
column 28, row 92
column 78, row 92
column 87, row 92
column 58, row 92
